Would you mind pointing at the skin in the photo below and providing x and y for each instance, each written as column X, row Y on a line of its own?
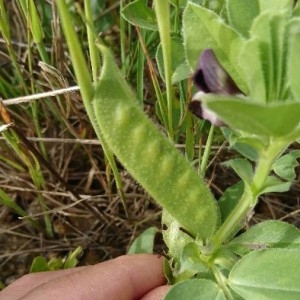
column 129, row 277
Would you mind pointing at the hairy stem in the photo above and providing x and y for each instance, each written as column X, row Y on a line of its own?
column 251, row 193
column 162, row 10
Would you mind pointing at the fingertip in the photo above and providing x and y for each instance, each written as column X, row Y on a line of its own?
column 158, row 293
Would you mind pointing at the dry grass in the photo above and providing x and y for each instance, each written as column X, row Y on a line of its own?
column 83, row 203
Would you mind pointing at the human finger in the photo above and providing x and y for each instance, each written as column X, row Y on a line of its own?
column 28, row 282
column 158, row 293
column 123, row 278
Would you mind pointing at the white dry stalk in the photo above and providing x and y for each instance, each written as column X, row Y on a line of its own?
column 37, row 96
column 5, row 127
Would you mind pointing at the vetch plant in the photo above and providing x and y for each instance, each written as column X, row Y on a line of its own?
column 248, row 77
column 210, row 77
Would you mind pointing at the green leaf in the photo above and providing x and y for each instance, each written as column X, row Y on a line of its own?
column 151, row 159
column 174, row 237
column 196, row 289
column 242, row 13
column 139, row 14
column 274, row 185
column 249, row 146
column 6, row 200
column 286, row 164
column 262, row 57
column 275, row 6
column 255, row 77
column 296, row 12
column 278, row 119
column 181, row 72
column 183, row 3
column 30, row 12
column 272, row 274
column 293, row 61
column 4, row 24
column 179, row 64
column 39, row 264
column 176, row 113
column 144, row 242
column 230, row 199
column 202, row 29
column 56, row 263
column 190, row 262
column 268, row 234
column 72, row 260
column 189, row 265
column 242, row 168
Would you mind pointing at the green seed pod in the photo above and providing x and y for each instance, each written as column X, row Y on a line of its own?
column 151, row 159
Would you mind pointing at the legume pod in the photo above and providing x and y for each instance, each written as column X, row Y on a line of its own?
column 151, row 159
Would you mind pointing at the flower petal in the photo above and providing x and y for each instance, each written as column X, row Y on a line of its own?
column 198, row 109
column 211, row 77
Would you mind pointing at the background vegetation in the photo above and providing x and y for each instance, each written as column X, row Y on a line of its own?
column 53, row 173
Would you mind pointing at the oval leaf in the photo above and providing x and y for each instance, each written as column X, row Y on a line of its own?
column 181, row 69
column 286, row 164
column 139, row 14
column 272, row 274
column 230, row 199
column 274, row 185
column 268, row 234
column 39, row 264
column 242, row 168
column 196, row 289
column 278, row 119
column 275, row 5
column 144, row 242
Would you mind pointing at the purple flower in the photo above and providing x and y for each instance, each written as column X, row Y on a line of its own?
column 210, row 77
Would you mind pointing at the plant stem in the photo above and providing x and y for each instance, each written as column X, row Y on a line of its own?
column 251, row 192
column 154, row 79
column 221, row 281
column 207, row 149
column 80, row 68
column 140, row 69
column 265, row 164
column 86, row 88
column 122, row 40
column 93, row 51
column 162, row 11
column 234, row 219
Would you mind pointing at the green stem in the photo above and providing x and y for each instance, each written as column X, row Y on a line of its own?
column 140, row 68
column 221, row 281
column 207, row 149
column 122, row 39
column 162, row 11
column 43, row 53
column 177, row 17
column 265, row 163
column 234, row 219
column 93, row 51
column 81, row 71
column 154, row 80
column 251, row 193
column 86, row 89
